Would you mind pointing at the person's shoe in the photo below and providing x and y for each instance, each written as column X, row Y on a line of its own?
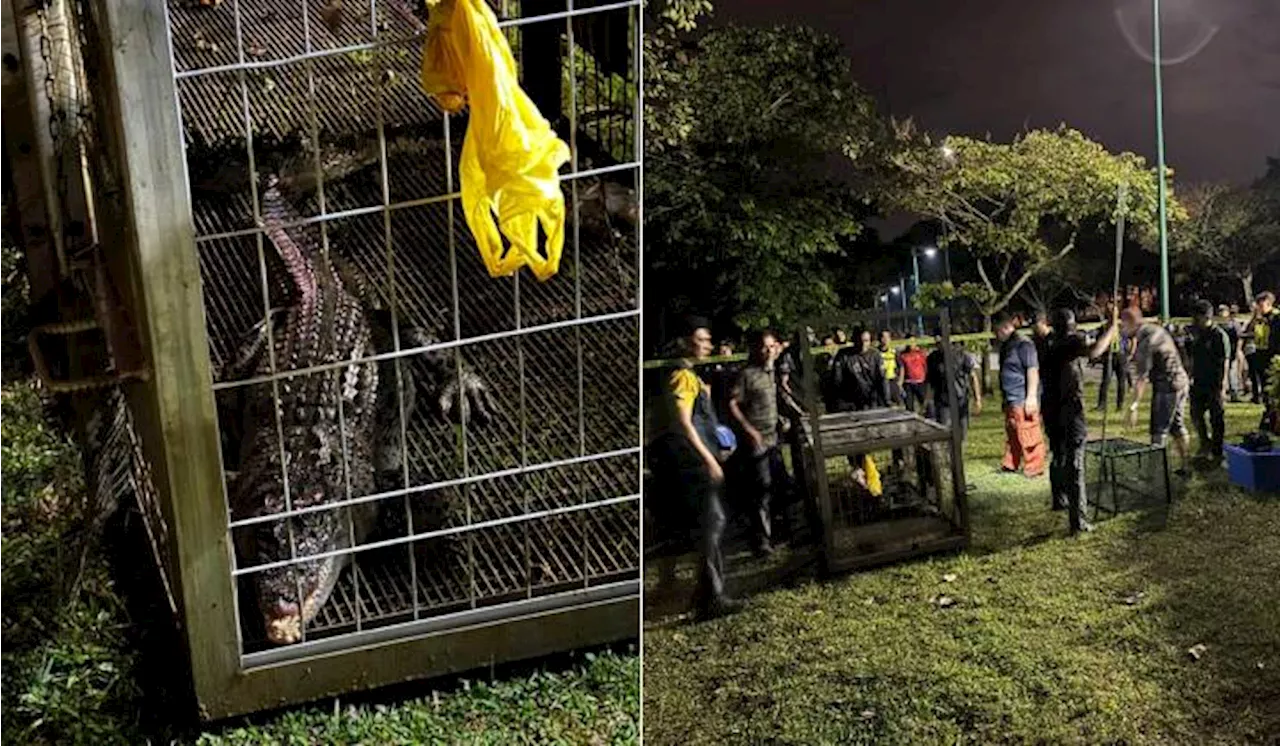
column 1084, row 528
column 720, row 607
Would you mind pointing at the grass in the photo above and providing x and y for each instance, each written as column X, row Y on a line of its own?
column 1050, row 639
column 74, row 664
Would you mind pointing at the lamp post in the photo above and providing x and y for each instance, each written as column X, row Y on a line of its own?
column 1160, row 175
column 894, row 290
column 929, row 252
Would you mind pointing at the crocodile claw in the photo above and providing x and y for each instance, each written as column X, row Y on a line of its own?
column 465, row 398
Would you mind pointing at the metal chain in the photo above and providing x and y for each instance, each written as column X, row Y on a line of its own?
column 56, row 113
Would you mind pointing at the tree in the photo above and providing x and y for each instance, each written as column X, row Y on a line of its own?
column 748, row 185
column 1021, row 208
column 668, row 114
column 1230, row 231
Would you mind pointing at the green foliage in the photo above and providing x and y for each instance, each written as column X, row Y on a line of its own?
column 668, row 114
column 1019, row 208
column 596, row 701
column 741, row 209
column 67, row 663
column 14, row 307
column 934, row 294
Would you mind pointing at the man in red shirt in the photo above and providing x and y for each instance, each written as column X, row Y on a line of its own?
column 912, row 361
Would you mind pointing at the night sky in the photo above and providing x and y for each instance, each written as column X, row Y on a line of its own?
column 978, row 66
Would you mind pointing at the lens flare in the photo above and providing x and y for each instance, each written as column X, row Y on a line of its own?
column 1185, row 28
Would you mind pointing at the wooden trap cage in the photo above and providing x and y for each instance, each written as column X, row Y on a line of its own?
column 921, row 506
column 487, row 462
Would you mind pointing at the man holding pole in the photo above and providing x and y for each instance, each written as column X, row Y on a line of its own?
column 1063, row 409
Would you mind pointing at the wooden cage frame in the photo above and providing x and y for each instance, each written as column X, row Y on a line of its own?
column 150, row 253
column 813, row 453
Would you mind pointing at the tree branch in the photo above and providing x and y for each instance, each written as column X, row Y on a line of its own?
column 982, row 272
column 1033, row 269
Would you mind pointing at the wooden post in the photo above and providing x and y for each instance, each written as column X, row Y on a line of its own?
column 957, row 438
column 809, row 379
column 151, row 234
column 23, row 144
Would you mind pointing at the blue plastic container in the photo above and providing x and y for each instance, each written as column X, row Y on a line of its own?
column 1256, row 471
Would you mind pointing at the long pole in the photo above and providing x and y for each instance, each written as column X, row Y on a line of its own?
column 1122, row 202
column 1164, row 210
column 915, row 288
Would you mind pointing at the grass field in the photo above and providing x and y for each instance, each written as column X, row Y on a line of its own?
column 75, row 671
column 1050, row 639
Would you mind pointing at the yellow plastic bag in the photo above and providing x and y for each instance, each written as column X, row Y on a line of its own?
column 873, row 476
column 511, row 157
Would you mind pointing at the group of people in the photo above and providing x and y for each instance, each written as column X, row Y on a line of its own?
column 1042, row 384
column 692, row 459
column 703, row 442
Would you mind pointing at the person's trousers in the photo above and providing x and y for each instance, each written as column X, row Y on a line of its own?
column 892, row 392
column 914, row 395
column 942, row 415
column 711, row 529
column 1024, row 442
column 1066, row 471
column 1258, row 362
column 759, row 479
column 1209, row 402
column 683, row 494
column 1113, row 367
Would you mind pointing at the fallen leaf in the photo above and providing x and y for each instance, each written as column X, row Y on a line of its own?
column 945, row 602
column 1135, row 598
column 868, row 714
column 1260, row 665
column 869, row 601
column 1196, row 651
column 949, row 577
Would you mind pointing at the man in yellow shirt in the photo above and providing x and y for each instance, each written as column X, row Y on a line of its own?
column 1266, row 338
column 685, row 457
column 892, row 377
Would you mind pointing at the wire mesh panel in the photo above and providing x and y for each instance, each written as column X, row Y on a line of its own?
column 1123, row 475
column 405, row 438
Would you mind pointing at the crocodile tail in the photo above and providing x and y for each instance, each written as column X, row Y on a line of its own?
column 275, row 213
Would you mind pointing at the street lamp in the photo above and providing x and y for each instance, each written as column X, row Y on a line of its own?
column 929, row 253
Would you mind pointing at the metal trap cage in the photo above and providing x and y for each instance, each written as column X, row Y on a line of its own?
column 919, row 504
column 478, row 500
column 1123, row 475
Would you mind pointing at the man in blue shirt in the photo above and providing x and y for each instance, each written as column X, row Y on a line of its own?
column 1020, row 388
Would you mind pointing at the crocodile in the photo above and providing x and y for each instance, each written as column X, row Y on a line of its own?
column 329, row 314
column 315, row 443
